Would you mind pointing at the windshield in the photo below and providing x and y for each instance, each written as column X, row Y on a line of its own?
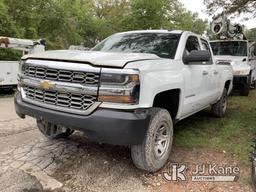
column 234, row 48
column 162, row 44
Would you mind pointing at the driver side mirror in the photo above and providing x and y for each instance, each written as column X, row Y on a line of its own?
column 197, row 56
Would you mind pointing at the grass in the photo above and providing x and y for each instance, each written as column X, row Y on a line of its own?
column 232, row 134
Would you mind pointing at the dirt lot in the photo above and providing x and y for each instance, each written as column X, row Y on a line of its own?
column 76, row 164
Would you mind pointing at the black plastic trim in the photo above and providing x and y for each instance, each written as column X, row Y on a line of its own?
column 104, row 125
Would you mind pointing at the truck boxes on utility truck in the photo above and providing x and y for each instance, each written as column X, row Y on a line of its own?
column 9, row 69
column 241, row 55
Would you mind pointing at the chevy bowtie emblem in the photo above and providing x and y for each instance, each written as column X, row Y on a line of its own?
column 46, row 85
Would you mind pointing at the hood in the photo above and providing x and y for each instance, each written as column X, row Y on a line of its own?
column 238, row 62
column 110, row 59
column 234, row 60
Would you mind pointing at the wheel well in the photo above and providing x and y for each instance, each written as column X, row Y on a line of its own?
column 168, row 100
column 227, row 84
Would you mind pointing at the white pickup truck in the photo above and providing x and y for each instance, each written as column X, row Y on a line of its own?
column 128, row 90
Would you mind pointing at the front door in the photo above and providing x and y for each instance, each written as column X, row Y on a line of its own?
column 199, row 84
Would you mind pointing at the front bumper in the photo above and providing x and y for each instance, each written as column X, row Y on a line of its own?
column 104, row 125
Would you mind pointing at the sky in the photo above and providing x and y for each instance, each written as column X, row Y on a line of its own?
column 199, row 7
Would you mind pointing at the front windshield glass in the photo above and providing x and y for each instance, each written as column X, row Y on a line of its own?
column 162, row 44
column 233, row 48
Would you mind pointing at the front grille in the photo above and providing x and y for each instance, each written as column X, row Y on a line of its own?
column 54, row 98
column 61, row 75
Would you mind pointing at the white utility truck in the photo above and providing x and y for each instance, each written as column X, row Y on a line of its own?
column 233, row 47
column 128, row 90
column 9, row 69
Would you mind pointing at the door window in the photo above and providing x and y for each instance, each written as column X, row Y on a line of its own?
column 206, row 46
column 192, row 44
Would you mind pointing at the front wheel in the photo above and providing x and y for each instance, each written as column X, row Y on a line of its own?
column 53, row 131
column 245, row 87
column 219, row 109
column 156, row 147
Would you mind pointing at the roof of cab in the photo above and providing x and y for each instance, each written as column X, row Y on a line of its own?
column 154, row 31
column 228, row 40
column 160, row 31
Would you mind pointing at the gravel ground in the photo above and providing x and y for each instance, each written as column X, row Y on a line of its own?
column 15, row 180
column 76, row 164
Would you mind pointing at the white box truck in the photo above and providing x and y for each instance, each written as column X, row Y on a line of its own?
column 9, row 69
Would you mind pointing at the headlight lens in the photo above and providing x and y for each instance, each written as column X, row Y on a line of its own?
column 242, row 72
column 21, row 69
column 119, row 87
column 21, row 65
column 118, row 79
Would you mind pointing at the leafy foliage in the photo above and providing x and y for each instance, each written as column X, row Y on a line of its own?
column 232, row 6
column 251, row 34
column 66, row 22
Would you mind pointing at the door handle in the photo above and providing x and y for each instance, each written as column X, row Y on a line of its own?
column 205, row 73
column 216, row 73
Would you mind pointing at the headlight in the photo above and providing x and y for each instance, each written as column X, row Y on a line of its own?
column 119, row 86
column 21, row 65
column 242, row 72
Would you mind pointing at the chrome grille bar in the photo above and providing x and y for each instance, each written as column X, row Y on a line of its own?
column 62, row 86
column 57, row 71
column 59, row 86
column 82, row 102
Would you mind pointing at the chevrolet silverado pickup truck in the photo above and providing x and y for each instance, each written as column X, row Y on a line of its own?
column 129, row 90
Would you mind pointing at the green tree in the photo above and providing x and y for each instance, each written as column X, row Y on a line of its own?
column 8, row 27
column 191, row 23
column 167, row 14
column 251, row 34
column 145, row 14
column 66, row 22
column 232, row 6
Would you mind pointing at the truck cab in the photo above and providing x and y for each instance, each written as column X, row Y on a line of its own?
column 241, row 55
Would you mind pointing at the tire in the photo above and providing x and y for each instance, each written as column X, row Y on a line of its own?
column 53, row 131
column 219, row 109
column 156, row 147
column 245, row 87
column 254, row 84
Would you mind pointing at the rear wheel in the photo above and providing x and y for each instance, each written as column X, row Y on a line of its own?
column 53, row 131
column 219, row 109
column 155, row 150
column 254, row 84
